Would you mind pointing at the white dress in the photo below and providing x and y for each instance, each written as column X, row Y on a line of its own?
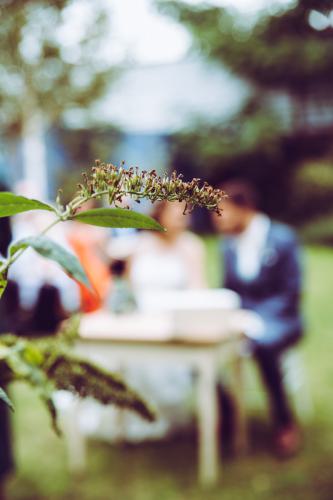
column 158, row 267
column 155, row 266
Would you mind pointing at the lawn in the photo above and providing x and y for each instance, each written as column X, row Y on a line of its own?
column 167, row 471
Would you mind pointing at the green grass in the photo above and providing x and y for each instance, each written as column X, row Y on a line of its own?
column 167, row 471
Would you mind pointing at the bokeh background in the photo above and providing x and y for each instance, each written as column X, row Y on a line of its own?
column 213, row 89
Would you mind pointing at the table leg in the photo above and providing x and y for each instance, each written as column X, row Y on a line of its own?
column 241, row 434
column 76, row 442
column 207, row 423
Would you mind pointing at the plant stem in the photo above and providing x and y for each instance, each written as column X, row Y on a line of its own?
column 11, row 259
column 67, row 214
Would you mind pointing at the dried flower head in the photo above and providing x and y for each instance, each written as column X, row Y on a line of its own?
column 119, row 182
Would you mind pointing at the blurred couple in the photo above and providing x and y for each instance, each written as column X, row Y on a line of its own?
column 261, row 264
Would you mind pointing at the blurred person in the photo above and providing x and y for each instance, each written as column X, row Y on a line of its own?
column 35, row 275
column 157, row 263
column 31, row 271
column 90, row 244
column 121, row 297
column 46, row 315
column 170, row 260
column 262, row 264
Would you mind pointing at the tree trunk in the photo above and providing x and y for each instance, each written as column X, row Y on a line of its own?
column 34, row 151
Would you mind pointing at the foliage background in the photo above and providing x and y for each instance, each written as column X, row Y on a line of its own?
column 276, row 140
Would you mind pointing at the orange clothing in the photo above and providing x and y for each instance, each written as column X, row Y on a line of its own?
column 85, row 242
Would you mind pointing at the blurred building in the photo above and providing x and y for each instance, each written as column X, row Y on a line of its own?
column 147, row 104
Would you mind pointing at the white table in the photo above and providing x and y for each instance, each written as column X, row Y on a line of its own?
column 202, row 340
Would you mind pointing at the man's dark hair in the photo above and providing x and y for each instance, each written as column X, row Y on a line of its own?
column 241, row 192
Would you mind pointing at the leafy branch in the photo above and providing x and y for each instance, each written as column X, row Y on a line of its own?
column 114, row 183
column 47, row 365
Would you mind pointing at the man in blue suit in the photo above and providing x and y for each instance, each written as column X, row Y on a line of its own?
column 262, row 264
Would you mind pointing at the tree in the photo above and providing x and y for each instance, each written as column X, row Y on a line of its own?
column 49, row 66
column 281, row 51
column 283, row 55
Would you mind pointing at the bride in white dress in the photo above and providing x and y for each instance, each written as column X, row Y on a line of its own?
column 173, row 260
column 158, row 263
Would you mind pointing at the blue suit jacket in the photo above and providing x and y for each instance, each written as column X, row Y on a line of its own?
column 275, row 292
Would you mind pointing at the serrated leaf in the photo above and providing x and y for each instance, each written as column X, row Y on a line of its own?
column 11, row 204
column 51, row 250
column 4, row 397
column 84, row 379
column 118, row 218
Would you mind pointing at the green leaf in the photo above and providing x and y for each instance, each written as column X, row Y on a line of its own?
column 11, row 204
column 33, row 355
column 3, row 283
column 4, row 351
column 51, row 250
column 4, row 397
column 117, row 217
column 20, row 368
